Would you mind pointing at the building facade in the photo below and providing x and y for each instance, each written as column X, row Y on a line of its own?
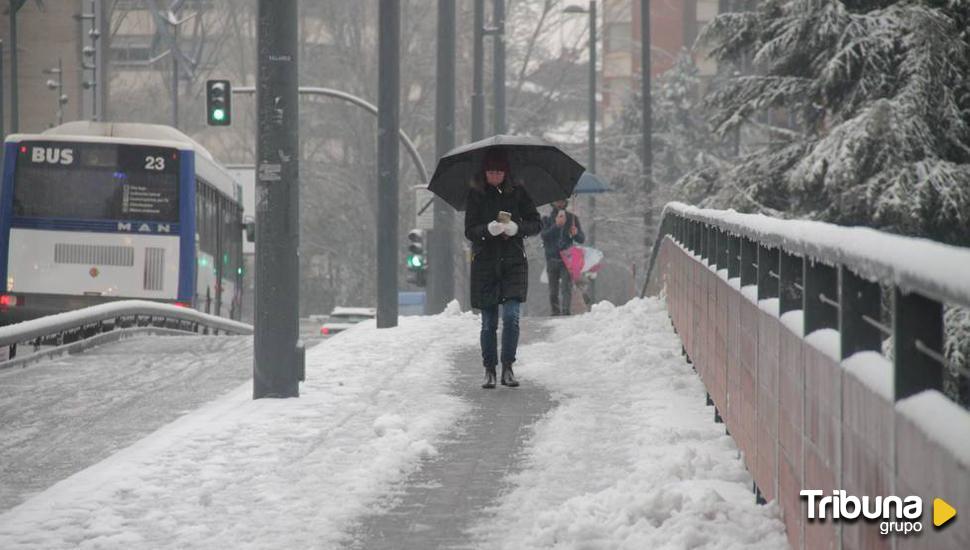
column 674, row 25
column 58, row 76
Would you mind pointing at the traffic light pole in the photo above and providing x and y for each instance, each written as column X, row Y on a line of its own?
column 498, row 61
column 478, row 73
column 278, row 358
column 442, row 285
column 388, row 126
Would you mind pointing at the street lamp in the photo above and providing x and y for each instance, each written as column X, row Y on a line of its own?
column 591, row 164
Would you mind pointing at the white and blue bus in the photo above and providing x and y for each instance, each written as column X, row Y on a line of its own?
column 92, row 212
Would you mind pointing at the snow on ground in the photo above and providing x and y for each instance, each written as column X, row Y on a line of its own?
column 631, row 457
column 289, row 473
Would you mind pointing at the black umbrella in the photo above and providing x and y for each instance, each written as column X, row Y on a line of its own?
column 547, row 173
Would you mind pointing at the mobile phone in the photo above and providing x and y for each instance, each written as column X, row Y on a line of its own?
column 504, row 217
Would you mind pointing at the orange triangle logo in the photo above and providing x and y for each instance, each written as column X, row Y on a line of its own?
column 942, row 512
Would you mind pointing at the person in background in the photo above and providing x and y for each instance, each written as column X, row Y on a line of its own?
column 499, row 269
column 560, row 230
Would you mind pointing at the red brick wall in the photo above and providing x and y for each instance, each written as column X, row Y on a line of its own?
column 801, row 421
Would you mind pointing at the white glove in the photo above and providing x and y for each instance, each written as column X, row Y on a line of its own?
column 495, row 228
column 511, row 228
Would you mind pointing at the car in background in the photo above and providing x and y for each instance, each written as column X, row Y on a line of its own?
column 342, row 318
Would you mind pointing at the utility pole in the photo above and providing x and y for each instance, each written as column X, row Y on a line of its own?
column 591, row 118
column 647, row 156
column 175, row 73
column 442, row 279
column 388, row 126
column 278, row 355
column 57, row 86
column 91, row 58
column 498, row 42
column 3, row 129
column 478, row 72
column 14, row 84
column 592, row 131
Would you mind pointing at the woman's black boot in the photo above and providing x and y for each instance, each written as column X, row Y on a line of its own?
column 508, row 377
column 490, row 377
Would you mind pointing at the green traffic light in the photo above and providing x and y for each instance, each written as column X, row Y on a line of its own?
column 415, row 261
column 218, row 115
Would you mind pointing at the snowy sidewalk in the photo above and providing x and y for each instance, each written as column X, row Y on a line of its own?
column 452, row 490
column 63, row 415
column 627, row 457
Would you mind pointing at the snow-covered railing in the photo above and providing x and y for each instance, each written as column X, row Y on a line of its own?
column 835, row 275
column 68, row 331
column 821, row 349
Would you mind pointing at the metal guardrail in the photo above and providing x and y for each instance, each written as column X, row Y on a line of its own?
column 836, row 276
column 912, row 264
column 75, row 330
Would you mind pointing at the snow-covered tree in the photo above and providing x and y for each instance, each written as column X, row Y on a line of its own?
column 880, row 93
column 878, row 96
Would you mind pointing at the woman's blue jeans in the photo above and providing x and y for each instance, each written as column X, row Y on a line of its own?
column 510, row 333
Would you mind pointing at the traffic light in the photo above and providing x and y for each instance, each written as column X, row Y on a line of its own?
column 218, row 102
column 417, row 261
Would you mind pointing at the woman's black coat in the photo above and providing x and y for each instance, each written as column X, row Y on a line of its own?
column 499, row 270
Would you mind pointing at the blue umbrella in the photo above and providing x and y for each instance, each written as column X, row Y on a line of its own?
column 590, row 183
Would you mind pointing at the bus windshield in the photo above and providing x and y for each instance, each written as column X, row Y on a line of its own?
column 96, row 181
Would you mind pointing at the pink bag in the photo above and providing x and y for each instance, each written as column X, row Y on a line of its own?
column 581, row 259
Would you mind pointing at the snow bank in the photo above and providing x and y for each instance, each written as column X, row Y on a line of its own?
column 272, row 473
column 631, row 457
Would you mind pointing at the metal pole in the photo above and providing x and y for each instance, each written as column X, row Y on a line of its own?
column 478, row 75
column 498, row 43
column 388, row 126
column 278, row 361
column 3, row 129
column 592, row 93
column 407, row 142
column 60, row 91
column 175, row 75
column 647, row 159
column 442, row 276
column 592, row 131
column 14, row 84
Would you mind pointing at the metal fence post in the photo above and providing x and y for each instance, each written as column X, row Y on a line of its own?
column 820, row 280
column 721, row 248
column 749, row 258
column 734, row 256
column 705, row 243
column 917, row 333
column 767, row 272
column 790, row 282
column 858, row 299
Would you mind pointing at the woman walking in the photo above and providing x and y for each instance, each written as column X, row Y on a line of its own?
column 499, row 214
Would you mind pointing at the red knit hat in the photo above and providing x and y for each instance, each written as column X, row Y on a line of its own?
column 496, row 159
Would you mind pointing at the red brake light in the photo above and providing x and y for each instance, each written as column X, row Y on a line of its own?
column 7, row 300
column 23, row 149
column 182, row 304
column 324, row 330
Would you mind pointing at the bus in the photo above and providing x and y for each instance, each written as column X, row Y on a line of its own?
column 92, row 212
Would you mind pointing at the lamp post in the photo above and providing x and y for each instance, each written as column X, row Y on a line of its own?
column 58, row 86
column 591, row 164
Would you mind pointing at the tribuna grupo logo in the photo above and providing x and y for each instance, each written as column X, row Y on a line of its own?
column 899, row 515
